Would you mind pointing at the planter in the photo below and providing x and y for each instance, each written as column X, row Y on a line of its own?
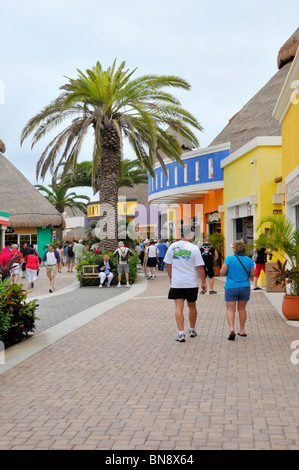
column 290, row 307
column 217, row 270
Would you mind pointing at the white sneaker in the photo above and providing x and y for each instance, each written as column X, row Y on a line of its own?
column 128, row 285
column 108, row 285
column 119, row 285
column 100, row 286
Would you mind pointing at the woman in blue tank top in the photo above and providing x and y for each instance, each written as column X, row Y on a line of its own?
column 239, row 269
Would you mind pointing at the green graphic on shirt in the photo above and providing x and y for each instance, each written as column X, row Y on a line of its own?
column 178, row 253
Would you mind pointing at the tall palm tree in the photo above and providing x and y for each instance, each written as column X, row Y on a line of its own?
column 130, row 174
column 115, row 106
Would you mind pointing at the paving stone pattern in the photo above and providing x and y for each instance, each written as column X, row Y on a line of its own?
column 122, row 382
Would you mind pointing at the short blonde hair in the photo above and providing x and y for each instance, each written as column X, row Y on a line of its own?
column 240, row 247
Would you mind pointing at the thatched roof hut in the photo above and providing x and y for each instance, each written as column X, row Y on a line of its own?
column 26, row 206
column 77, row 233
column 255, row 118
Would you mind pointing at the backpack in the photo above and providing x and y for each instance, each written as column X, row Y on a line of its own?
column 70, row 251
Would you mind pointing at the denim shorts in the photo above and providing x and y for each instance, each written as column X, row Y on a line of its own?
column 239, row 293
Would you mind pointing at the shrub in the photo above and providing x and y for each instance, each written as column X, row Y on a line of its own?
column 17, row 317
column 91, row 258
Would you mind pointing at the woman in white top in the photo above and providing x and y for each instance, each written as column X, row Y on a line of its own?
column 152, row 254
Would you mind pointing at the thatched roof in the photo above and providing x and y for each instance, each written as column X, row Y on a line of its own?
column 255, row 118
column 77, row 233
column 185, row 144
column 288, row 51
column 2, row 147
column 26, row 206
column 139, row 191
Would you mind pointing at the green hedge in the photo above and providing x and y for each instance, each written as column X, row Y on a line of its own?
column 91, row 258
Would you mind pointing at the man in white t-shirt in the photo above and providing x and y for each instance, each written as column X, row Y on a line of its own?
column 184, row 264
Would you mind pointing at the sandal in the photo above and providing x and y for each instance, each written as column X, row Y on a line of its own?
column 242, row 335
column 232, row 336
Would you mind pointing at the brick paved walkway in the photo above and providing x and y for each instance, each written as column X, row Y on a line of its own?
column 122, row 382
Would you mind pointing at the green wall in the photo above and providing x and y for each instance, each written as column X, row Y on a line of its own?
column 44, row 236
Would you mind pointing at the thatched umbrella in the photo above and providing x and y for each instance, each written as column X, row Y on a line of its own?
column 77, row 233
column 26, row 206
column 255, row 118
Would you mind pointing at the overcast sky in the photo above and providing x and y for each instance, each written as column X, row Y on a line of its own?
column 227, row 51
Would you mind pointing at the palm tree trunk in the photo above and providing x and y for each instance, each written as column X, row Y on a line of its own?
column 108, row 186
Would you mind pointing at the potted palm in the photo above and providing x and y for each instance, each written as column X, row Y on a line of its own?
column 284, row 240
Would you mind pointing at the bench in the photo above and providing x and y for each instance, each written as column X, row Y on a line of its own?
column 89, row 271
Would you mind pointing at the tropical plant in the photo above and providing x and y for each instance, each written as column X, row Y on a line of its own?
column 17, row 317
column 281, row 238
column 130, row 174
column 59, row 198
column 7, row 259
column 115, row 106
column 217, row 240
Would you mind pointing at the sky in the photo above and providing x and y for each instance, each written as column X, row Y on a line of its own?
column 227, row 51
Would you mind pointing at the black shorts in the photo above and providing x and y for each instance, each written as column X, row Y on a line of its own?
column 209, row 271
column 151, row 262
column 189, row 294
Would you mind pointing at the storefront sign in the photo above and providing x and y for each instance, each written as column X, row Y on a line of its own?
column 213, row 218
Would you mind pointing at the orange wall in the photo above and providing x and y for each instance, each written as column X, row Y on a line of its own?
column 210, row 204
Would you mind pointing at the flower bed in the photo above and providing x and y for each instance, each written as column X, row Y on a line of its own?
column 95, row 259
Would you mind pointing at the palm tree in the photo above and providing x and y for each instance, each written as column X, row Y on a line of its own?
column 115, row 106
column 130, row 174
column 59, row 198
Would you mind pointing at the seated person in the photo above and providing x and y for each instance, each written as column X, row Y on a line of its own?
column 105, row 269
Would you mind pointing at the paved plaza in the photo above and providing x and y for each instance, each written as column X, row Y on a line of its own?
column 103, row 371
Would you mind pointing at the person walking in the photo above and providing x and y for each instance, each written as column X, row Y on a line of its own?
column 152, row 254
column 70, row 257
column 61, row 254
column 239, row 270
column 209, row 255
column 123, row 253
column 105, row 270
column 162, row 252
column 52, row 259
column 79, row 252
column 16, row 267
column 32, row 268
column 260, row 265
column 184, row 264
column 25, row 252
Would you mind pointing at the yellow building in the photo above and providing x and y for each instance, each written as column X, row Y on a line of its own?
column 125, row 208
column 253, row 170
column 287, row 113
column 250, row 190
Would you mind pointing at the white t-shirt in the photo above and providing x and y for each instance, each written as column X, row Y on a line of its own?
column 184, row 257
column 152, row 251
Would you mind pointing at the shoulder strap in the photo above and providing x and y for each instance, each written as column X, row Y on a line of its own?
column 242, row 265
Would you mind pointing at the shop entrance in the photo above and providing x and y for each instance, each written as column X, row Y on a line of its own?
column 244, row 229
